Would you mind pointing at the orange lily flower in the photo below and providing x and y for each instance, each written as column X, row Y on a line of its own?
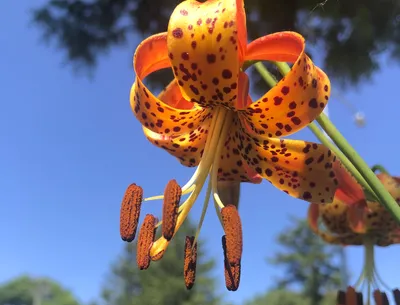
column 206, row 118
column 352, row 220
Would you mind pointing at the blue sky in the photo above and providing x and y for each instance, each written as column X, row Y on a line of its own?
column 70, row 146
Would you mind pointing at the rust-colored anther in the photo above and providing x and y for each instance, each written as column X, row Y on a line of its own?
column 146, row 238
column 189, row 268
column 396, row 296
column 232, row 273
column 351, row 296
column 172, row 197
column 130, row 212
column 341, row 298
column 233, row 233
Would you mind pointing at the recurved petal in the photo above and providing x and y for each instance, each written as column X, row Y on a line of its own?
column 154, row 114
column 301, row 169
column 206, row 42
column 298, row 98
column 187, row 147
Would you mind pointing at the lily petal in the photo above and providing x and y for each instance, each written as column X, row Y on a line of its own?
column 391, row 184
column 231, row 166
column 299, row 168
column 298, row 98
column 335, row 218
column 313, row 216
column 186, row 147
column 205, row 46
column 159, row 117
column 348, row 191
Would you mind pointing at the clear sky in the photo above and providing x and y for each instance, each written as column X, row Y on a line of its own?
column 70, row 146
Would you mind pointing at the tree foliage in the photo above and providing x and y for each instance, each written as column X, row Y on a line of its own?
column 162, row 283
column 350, row 35
column 26, row 290
column 309, row 263
column 312, row 272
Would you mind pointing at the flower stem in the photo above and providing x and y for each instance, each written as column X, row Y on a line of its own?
column 359, row 168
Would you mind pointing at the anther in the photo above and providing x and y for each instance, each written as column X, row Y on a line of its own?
column 172, row 197
column 189, row 268
column 233, row 232
column 232, row 273
column 341, row 297
column 351, row 296
column 146, row 238
column 130, row 212
column 380, row 298
column 396, row 296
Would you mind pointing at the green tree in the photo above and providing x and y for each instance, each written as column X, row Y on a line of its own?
column 350, row 34
column 309, row 263
column 163, row 282
column 26, row 290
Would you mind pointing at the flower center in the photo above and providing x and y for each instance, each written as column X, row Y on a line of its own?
column 208, row 167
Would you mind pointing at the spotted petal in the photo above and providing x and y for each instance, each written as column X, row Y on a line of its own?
column 392, row 185
column 298, row 98
column 299, row 168
column 186, row 147
column 206, row 44
column 159, row 117
column 231, row 166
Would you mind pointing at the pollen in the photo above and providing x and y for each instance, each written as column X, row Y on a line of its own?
column 232, row 273
column 189, row 267
column 172, row 197
column 146, row 238
column 351, row 296
column 130, row 212
column 233, row 232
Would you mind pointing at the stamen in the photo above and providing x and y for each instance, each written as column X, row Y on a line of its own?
column 189, row 268
column 130, row 212
column 146, row 238
column 341, row 298
column 233, row 232
column 172, row 197
column 232, row 273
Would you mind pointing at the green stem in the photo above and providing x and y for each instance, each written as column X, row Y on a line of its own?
column 379, row 168
column 383, row 195
column 359, row 167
